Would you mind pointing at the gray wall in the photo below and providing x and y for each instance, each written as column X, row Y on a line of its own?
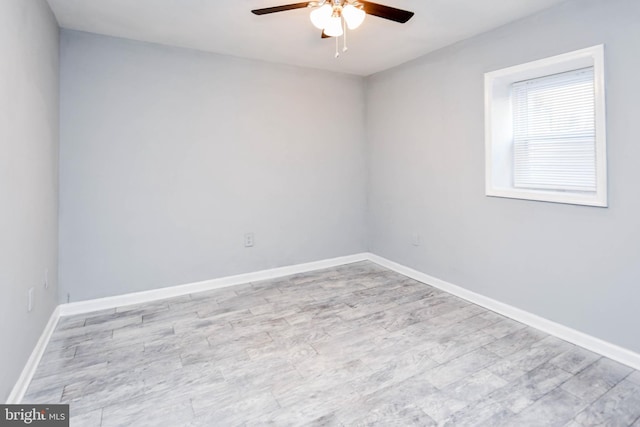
column 169, row 156
column 28, row 178
column 579, row 266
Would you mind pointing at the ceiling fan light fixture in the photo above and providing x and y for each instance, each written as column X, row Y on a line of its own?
column 334, row 17
column 334, row 27
column 320, row 16
column 354, row 16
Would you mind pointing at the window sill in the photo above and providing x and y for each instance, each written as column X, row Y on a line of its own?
column 584, row 199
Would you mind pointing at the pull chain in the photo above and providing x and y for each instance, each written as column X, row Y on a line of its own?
column 337, row 53
column 344, row 37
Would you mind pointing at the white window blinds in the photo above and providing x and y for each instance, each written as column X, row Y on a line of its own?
column 554, row 132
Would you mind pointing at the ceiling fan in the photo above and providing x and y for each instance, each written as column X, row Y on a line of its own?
column 333, row 17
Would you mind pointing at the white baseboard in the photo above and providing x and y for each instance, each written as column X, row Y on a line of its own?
column 607, row 349
column 206, row 285
column 21, row 386
column 581, row 339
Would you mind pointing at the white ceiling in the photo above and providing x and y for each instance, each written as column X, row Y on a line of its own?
column 228, row 27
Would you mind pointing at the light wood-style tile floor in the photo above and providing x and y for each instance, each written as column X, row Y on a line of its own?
column 353, row 345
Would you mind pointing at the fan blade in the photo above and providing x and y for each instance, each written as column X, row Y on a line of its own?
column 282, row 8
column 324, row 35
column 386, row 12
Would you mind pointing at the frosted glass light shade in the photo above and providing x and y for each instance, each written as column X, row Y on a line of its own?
column 334, row 27
column 353, row 16
column 320, row 16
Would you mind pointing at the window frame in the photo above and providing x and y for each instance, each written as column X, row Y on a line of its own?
column 499, row 127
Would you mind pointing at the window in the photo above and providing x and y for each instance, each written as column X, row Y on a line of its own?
column 545, row 130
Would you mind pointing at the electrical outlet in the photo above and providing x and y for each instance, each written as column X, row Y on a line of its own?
column 415, row 239
column 30, row 299
column 248, row 240
column 46, row 278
